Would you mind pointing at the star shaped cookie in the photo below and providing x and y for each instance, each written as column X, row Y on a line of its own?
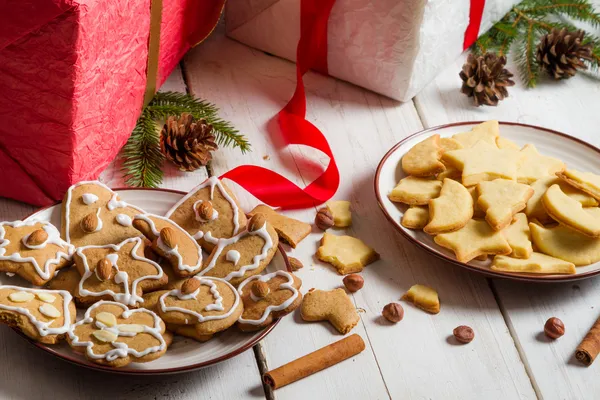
column 487, row 131
column 534, row 166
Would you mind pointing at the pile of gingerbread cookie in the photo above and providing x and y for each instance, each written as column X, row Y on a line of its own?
column 479, row 194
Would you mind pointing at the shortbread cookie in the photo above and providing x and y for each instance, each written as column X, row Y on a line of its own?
column 501, row 199
column 477, row 212
column 585, row 181
column 534, row 166
column 290, row 230
column 566, row 244
column 449, row 173
column 423, row 159
column 170, row 241
column 247, row 253
column 119, row 273
column 340, row 210
column 486, row 131
column 504, row 143
column 518, row 236
column 569, row 212
column 416, row 217
column 33, row 250
column 346, row 253
column 535, row 209
column 475, row 239
column 451, row 210
column 448, row 144
column 537, row 263
column 43, row 315
column 209, row 212
column 111, row 334
column 94, row 214
column 334, row 306
column 423, row 297
column 415, row 191
column 267, row 297
column 484, row 162
column 209, row 305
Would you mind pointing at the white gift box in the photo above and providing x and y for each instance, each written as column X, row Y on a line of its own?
column 392, row 47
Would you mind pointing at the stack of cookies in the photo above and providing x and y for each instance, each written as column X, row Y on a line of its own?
column 479, row 194
column 142, row 278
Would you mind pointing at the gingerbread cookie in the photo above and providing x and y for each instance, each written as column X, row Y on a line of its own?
column 566, row 244
column 33, row 250
column 346, row 253
column 116, row 272
column 537, row 263
column 451, row 210
column 423, row 159
column 267, row 297
column 569, row 212
column 247, row 253
column 501, row 199
column 111, row 334
column 334, row 306
column 487, row 131
column 43, row 315
column 209, row 212
column 92, row 214
column 415, row 191
column 173, row 243
column 290, row 230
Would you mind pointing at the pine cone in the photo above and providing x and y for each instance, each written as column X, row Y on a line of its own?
column 187, row 143
column 560, row 53
column 485, row 78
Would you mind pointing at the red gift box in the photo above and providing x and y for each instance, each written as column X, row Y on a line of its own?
column 72, row 81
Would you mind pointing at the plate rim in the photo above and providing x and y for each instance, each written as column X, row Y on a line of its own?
column 474, row 268
column 163, row 371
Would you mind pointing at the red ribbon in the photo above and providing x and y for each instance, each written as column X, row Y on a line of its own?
column 266, row 185
column 475, row 15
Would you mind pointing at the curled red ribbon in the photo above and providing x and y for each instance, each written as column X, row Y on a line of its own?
column 475, row 15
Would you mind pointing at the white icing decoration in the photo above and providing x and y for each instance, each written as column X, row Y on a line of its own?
column 198, row 235
column 210, row 238
column 270, row 308
column 43, row 328
column 215, row 213
column 99, row 224
column 120, row 349
column 128, row 296
column 222, row 243
column 233, row 256
column 216, row 306
column 114, row 203
column 123, row 219
column 53, row 238
column 211, row 182
column 89, row 198
column 10, row 274
column 166, row 249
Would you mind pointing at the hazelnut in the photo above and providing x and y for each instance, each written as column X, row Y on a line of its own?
column 393, row 312
column 104, row 270
column 205, row 210
column 554, row 328
column 295, row 264
column 464, row 334
column 89, row 223
column 256, row 222
column 37, row 237
column 353, row 282
column 324, row 219
column 190, row 286
column 167, row 235
column 260, row 289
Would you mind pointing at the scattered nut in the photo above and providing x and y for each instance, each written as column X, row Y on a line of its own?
column 353, row 282
column 463, row 334
column 260, row 289
column 104, row 270
column 324, row 219
column 554, row 328
column 89, row 223
column 37, row 237
column 393, row 312
column 167, row 235
column 190, row 286
column 256, row 222
column 205, row 210
column 295, row 264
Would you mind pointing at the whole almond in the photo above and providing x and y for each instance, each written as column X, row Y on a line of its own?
column 256, row 222
column 89, row 223
column 205, row 210
column 37, row 237
column 104, row 270
column 353, row 282
column 167, row 235
column 295, row 264
column 260, row 289
column 324, row 219
column 190, row 286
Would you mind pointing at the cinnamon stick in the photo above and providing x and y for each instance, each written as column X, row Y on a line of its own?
column 314, row 362
column 589, row 347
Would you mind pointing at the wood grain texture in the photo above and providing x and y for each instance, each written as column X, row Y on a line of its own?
column 415, row 358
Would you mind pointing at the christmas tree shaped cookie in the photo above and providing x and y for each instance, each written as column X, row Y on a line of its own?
column 501, row 199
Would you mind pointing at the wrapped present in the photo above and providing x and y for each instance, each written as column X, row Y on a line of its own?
column 393, row 47
column 73, row 78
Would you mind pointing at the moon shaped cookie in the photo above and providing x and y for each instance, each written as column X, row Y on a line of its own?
column 209, row 212
column 423, row 159
column 569, row 212
column 566, row 244
column 451, row 210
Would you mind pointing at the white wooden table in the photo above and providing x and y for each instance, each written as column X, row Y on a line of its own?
column 416, row 359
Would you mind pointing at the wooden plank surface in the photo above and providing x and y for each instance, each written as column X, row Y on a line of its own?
column 415, row 358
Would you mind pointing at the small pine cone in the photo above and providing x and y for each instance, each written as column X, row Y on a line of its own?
column 560, row 53
column 187, row 143
column 485, row 79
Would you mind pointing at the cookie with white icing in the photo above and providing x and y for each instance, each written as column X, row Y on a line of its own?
column 267, row 297
column 246, row 254
column 66, row 279
column 118, row 273
column 208, row 305
column 171, row 242
column 43, row 315
column 92, row 214
column 33, row 250
column 209, row 212
column 111, row 334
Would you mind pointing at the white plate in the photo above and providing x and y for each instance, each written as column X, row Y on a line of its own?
column 575, row 153
column 184, row 354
